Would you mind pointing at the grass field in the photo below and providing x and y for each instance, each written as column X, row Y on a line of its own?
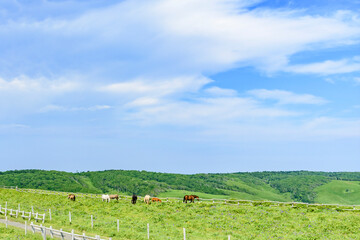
column 12, row 233
column 345, row 192
column 201, row 220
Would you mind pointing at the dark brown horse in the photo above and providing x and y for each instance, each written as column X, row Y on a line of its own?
column 155, row 199
column 190, row 198
column 71, row 197
column 114, row 196
column 133, row 199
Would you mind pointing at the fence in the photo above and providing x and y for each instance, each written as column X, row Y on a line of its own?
column 26, row 215
column 62, row 234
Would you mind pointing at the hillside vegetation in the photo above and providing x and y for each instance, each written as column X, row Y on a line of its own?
column 302, row 186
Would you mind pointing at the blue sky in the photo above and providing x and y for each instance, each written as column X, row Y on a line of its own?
column 180, row 86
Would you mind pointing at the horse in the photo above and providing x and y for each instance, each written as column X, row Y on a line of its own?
column 71, row 197
column 105, row 198
column 195, row 197
column 114, row 196
column 154, row 199
column 133, row 199
column 147, row 199
column 190, row 198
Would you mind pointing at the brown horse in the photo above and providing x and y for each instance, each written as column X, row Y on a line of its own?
column 114, row 196
column 155, row 199
column 71, row 197
column 190, row 198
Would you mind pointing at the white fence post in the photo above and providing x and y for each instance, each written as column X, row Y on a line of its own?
column 51, row 232
column 6, row 222
column 32, row 209
column 50, row 213
column 184, row 233
column 25, row 227
column 32, row 227
column 44, row 232
column 5, row 208
column 228, row 237
column 72, row 234
column 148, row 231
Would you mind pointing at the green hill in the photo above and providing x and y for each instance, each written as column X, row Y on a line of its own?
column 302, row 186
column 345, row 192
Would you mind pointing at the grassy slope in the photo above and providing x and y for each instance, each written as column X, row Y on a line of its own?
column 345, row 192
column 279, row 186
column 202, row 221
column 13, row 233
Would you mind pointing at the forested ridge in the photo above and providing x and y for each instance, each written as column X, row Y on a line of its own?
column 294, row 185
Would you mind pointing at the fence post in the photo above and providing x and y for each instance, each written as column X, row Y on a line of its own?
column 148, row 231
column 61, row 234
column 6, row 222
column 43, row 218
column 5, row 208
column 51, row 232
column 72, row 234
column 118, row 225
column 25, row 227
column 228, row 237
column 32, row 209
column 92, row 222
column 32, row 227
column 44, row 232
column 19, row 207
column 184, row 233
column 50, row 213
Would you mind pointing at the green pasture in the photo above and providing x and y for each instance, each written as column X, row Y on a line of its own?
column 201, row 220
column 13, row 233
column 345, row 192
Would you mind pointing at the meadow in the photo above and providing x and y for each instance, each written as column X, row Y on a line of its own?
column 201, row 220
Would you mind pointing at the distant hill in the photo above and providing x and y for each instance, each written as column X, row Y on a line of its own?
column 303, row 186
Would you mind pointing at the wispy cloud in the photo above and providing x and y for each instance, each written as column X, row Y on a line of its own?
column 286, row 97
column 328, row 67
column 57, row 108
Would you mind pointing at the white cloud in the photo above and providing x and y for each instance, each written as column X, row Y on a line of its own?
column 216, row 91
column 327, row 67
column 25, row 84
column 286, row 97
column 156, row 87
column 57, row 108
column 204, row 112
column 137, row 38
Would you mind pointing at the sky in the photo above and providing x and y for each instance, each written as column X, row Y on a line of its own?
column 191, row 86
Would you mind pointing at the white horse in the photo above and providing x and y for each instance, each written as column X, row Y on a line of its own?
column 105, row 198
column 147, row 199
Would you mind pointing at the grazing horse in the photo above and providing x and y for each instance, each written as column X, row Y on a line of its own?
column 155, row 199
column 71, row 197
column 190, row 198
column 105, row 198
column 114, row 196
column 147, row 199
column 133, row 199
column 195, row 197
